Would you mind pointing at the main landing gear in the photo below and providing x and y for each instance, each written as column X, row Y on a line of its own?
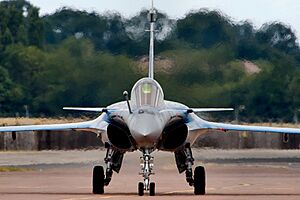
column 184, row 161
column 98, row 180
column 146, row 167
column 113, row 161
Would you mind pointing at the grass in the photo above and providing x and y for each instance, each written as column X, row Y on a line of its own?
column 10, row 121
column 13, row 169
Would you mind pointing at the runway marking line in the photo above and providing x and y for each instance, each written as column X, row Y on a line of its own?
column 92, row 197
column 31, row 187
column 245, row 184
column 81, row 198
column 211, row 189
column 178, row 191
column 187, row 191
column 230, row 187
column 277, row 188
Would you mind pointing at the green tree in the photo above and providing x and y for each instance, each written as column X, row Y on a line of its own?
column 9, row 94
column 294, row 91
column 7, row 38
column 205, row 29
column 26, row 66
column 278, row 35
column 21, row 36
column 35, row 27
column 247, row 46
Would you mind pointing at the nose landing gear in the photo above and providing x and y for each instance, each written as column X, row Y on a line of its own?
column 146, row 167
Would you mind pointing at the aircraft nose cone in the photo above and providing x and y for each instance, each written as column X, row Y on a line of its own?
column 145, row 129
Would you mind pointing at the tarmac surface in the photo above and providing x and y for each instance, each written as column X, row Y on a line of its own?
column 231, row 174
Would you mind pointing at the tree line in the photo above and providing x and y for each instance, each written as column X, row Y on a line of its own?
column 80, row 58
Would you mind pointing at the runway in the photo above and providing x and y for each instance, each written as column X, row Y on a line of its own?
column 66, row 175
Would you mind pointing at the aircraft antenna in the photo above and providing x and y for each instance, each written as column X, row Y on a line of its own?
column 152, row 19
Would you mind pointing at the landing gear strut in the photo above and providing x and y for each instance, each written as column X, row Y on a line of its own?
column 184, row 160
column 146, row 167
column 113, row 161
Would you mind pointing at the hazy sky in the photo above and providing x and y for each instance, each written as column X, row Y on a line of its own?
column 257, row 11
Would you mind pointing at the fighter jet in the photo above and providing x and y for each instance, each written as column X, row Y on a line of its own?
column 146, row 122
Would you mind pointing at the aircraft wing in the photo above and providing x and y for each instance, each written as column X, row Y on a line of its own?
column 85, row 109
column 89, row 109
column 196, row 110
column 231, row 127
column 88, row 125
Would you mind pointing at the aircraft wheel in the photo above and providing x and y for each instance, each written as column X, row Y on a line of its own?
column 199, row 181
column 152, row 189
column 141, row 189
column 98, row 180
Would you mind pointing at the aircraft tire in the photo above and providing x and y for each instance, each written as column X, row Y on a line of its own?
column 98, row 180
column 141, row 189
column 199, row 180
column 152, row 189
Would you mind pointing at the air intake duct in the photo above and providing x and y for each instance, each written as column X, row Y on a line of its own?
column 118, row 134
column 174, row 134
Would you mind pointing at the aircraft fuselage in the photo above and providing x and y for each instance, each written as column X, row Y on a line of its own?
column 150, row 125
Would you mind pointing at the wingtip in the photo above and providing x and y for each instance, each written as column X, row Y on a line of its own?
column 67, row 108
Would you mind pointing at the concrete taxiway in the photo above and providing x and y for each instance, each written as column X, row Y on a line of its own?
column 66, row 175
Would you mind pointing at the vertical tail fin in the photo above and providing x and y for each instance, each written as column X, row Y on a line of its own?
column 152, row 19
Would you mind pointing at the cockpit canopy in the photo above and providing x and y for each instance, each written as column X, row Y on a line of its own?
column 147, row 92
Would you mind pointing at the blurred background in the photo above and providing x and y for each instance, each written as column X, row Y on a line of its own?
column 204, row 58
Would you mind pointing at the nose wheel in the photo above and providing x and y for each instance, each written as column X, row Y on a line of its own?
column 140, row 188
column 152, row 189
column 146, row 171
